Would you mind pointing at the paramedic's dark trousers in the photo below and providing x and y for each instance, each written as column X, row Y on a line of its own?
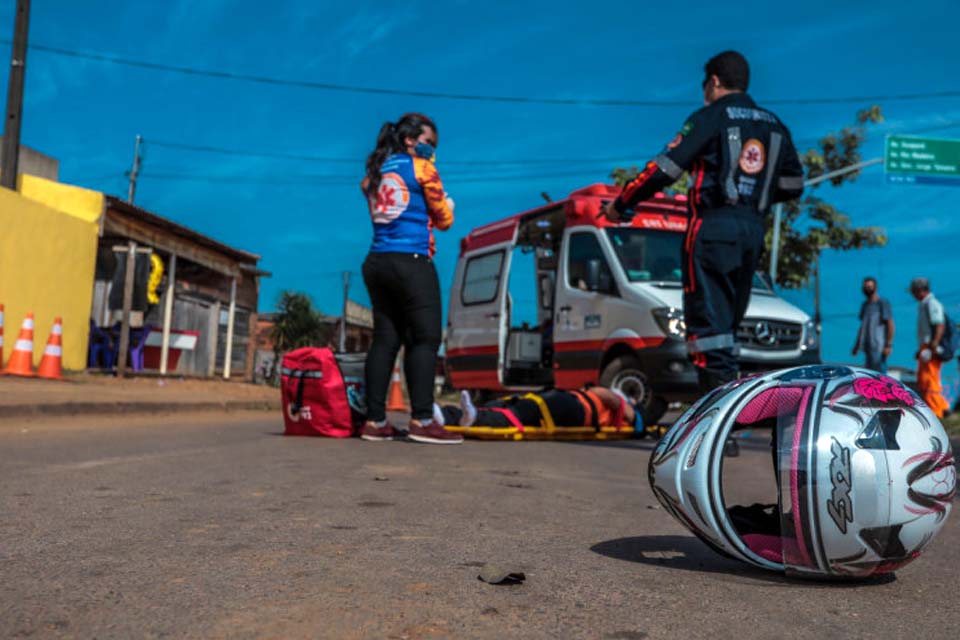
column 405, row 295
column 721, row 255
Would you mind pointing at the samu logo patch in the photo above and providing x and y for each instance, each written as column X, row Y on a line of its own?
column 753, row 156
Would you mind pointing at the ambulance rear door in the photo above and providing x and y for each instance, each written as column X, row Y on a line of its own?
column 478, row 315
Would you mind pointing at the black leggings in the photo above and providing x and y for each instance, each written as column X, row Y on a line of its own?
column 405, row 294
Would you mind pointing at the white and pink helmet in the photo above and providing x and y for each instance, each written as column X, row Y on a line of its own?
column 864, row 470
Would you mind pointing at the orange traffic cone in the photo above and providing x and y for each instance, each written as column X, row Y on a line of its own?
column 51, row 364
column 21, row 360
column 1, row 335
column 395, row 400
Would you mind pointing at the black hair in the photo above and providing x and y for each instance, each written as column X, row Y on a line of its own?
column 870, row 279
column 390, row 140
column 731, row 68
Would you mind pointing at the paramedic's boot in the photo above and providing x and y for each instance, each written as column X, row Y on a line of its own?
column 432, row 433
column 710, row 379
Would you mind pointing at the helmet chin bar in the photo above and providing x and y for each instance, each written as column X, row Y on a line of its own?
column 864, row 473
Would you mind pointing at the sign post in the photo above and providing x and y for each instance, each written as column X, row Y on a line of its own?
column 913, row 160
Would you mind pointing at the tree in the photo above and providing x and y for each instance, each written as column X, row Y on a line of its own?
column 296, row 324
column 811, row 224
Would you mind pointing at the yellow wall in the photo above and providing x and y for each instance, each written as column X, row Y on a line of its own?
column 77, row 201
column 47, row 262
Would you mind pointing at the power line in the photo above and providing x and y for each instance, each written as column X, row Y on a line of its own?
column 454, row 176
column 331, row 179
column 328, row 86
column 358, row 161
column 627, row 157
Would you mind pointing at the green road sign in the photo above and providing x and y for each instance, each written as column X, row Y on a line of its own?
column 911, row 160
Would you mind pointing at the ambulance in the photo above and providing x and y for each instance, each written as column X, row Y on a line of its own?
column 608, row 305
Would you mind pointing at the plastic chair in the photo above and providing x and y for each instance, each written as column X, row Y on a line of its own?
column 138, row 340
column 101, row 348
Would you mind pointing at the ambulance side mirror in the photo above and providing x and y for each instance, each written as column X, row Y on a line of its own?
column 598, row 278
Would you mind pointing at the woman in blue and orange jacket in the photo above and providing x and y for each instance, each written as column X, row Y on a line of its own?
column 406, row 201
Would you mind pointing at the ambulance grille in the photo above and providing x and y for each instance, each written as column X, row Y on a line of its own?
column 769, row 335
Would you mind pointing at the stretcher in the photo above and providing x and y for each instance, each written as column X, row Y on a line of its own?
column 545, row 433
column 546, row 430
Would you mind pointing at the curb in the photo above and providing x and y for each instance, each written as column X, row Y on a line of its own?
column 133, row 408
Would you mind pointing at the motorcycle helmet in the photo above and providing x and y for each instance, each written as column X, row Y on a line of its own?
column 864, row 471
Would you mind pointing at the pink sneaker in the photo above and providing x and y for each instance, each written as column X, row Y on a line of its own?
column 376, row 434
column 433, row 433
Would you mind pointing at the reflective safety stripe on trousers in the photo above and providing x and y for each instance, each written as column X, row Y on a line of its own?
column 711, row 343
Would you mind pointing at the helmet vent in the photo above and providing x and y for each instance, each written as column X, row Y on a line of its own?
column 881, row 431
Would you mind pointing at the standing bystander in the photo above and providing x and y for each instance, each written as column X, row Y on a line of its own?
column 875, row 337
column 931, row 324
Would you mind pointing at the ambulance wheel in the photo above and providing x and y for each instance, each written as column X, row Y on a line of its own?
column 625, row 374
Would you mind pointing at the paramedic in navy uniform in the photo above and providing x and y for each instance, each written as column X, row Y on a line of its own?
column 742, row 160
column 406, row 202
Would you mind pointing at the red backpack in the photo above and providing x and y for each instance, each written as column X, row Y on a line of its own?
column 314, row 395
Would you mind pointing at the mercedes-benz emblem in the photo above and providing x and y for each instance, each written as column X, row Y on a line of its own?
column 764, row 333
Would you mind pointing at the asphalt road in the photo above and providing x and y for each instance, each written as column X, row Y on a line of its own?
column 218, row 527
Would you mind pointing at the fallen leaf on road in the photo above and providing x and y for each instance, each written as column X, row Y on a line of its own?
column 494, row 574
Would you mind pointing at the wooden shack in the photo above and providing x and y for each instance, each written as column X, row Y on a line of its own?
column 205, row 321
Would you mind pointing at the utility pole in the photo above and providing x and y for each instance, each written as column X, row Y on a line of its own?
column 10, row 155
column 134, row 170
column 343, row 317
column 778, row 209
column 817, row 318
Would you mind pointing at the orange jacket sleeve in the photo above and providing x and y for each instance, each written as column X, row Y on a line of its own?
column 440, row 213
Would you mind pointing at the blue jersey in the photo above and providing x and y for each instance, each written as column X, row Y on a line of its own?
column 408, row 204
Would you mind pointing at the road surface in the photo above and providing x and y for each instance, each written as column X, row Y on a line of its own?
column 218, row 527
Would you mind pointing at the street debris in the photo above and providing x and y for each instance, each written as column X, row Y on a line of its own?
column 494, row 574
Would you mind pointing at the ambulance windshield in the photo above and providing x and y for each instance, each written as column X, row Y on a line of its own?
column 648, row 255
column 653, row 255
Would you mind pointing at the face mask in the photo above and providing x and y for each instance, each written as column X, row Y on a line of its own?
column 424, row 150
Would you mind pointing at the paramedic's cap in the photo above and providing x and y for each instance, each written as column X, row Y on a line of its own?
column 919, row 284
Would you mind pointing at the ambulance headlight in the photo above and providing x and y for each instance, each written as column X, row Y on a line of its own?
column 811, row 339
column 670, row 321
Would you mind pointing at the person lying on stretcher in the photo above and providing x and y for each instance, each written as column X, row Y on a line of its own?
column 592, row 407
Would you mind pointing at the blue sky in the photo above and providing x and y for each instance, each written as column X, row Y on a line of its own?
column 86, row 113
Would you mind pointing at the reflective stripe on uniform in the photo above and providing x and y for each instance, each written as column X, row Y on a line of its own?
column 711, row 343
column 790, row 182
column 668, row 166
column 735, row 146
column 771, row 169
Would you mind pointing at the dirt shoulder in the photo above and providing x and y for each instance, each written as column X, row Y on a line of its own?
column 94, row 394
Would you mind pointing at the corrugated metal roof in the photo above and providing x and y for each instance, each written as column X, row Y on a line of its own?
column 178, row 229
